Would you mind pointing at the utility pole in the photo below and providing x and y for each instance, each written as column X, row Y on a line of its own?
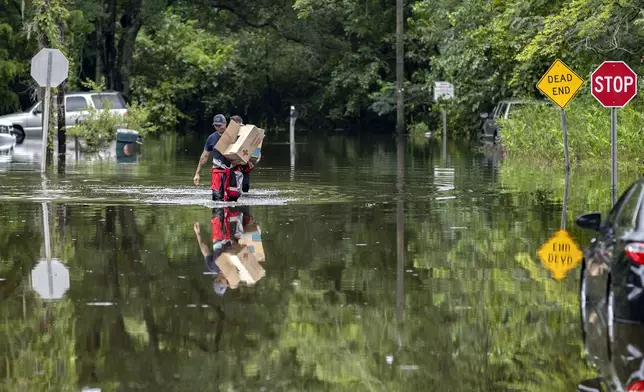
column 400, row 67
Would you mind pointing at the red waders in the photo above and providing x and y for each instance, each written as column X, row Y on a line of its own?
column 226, row 184
column 227, row 223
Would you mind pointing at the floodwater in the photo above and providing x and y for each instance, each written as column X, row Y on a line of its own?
column 388, row 267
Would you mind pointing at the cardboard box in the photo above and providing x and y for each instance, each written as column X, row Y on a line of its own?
column 239, row 142
column 248, row 139
column 253, row 239
column 229, row 136
column 256, row 156
column 245, row 266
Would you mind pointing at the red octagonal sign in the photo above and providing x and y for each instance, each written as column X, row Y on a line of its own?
column 613, row 84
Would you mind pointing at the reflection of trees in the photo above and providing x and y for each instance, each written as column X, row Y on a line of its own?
column 512, row 326
column 480, row 313
column 37, row 345
column 36, row 338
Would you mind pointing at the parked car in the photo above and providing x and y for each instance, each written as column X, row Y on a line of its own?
column 7, row 138
column 29, row 123
column 612, row 292
column 503, row 110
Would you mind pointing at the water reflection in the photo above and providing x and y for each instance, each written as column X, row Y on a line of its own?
column 454, row 300
column 28, row 155
column 236, row 250
column 50, row 277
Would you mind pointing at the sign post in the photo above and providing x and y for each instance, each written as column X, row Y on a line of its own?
column 613, row 84
column 560, row 84
column 443, row 90
column 49, row 68
column 293, row 117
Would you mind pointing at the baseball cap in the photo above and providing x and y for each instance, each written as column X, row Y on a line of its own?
column 220, row 286
column 219, row 119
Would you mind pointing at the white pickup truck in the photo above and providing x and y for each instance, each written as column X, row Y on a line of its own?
column 29, row 123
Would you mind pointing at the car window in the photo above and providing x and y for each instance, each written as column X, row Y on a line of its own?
column 513, row 108
column 501, row 111
column 627, row 215
column 498, row 108
column 75, row 104
column 611, row 220
column 113, row 101
column 36, row 106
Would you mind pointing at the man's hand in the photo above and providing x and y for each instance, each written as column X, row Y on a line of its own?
column 197, row 228
column 205, row 157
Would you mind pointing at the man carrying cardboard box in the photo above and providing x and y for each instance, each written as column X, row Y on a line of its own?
column 225, row 180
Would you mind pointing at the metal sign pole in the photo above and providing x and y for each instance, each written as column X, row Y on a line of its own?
column 564, row 207
column 45, row 123
column 293, row 118
column 444, row 115
column 564, row 128
column 45, row 223
column 613, row 152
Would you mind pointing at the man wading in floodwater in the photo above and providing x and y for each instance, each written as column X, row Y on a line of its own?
column 225, row 181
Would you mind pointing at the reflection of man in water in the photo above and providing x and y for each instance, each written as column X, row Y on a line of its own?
column 227, row 228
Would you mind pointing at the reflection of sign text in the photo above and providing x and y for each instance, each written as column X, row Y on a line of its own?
column 560, row 254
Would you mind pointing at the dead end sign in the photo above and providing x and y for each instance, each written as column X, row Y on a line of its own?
column 560, row 83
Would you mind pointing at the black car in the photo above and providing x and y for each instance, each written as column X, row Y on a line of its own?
column 612, row 292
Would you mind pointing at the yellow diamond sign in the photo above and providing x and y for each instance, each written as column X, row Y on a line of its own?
column 560, row 83
column 560, row 254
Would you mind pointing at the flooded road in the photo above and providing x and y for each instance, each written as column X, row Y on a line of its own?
column 397, row 269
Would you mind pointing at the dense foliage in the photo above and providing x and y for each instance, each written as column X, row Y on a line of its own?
column 333, row 59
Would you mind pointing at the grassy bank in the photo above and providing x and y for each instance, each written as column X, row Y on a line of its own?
column 533, row 136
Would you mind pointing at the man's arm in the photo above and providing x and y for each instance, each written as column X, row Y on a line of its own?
column 205, row 157
column 205, row 249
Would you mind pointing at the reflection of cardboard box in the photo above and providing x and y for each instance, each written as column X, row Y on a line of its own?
column 253, row 239
column 241, row 264
column 229, row 271
column 238, row 143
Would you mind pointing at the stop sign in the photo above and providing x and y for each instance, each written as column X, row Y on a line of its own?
column 613, row 84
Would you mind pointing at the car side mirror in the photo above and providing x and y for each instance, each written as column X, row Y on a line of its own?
column 37, row 111
column 590, row 221
column 483, row 115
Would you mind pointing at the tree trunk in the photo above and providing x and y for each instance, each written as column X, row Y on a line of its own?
column 400, row 68
column 98, row 71
column 109, row 48
column 131, row 23
column 62, row 137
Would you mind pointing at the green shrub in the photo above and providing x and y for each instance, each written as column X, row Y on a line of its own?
column 100, row 127
column 417, row 129
column 534, row 134
column 98, row 130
